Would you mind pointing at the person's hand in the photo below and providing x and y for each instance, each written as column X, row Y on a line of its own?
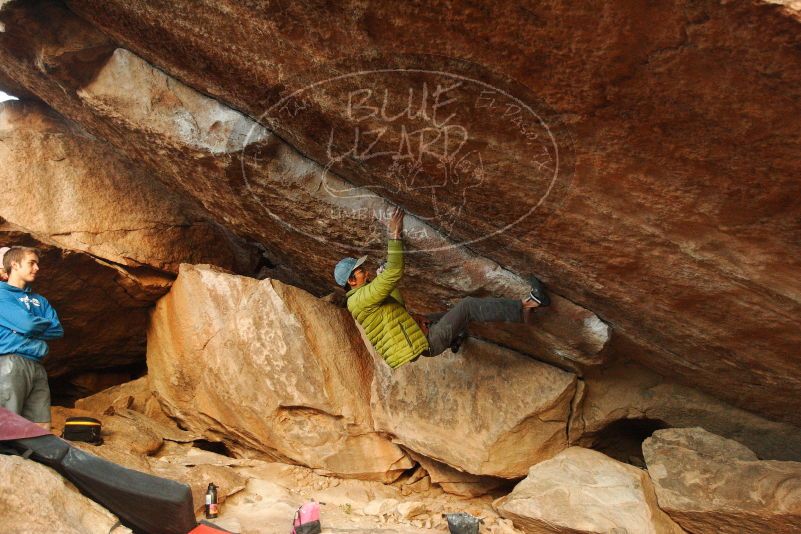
column 395, row 226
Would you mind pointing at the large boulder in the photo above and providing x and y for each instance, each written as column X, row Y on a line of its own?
column 581, row 491
column 486, row 410
column 277, row 197
column 135, row 441
column 675, row 211
column 273, row 369
column 112, row 236
column 709, row 484
column 625, row 402
column 34, row 498
column 457, row 482
column 135, row 395
column 665, row 223
column 12, row 88
column 79, row 194
column 268, row 368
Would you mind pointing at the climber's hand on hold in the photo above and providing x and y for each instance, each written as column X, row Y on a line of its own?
column 395, row 225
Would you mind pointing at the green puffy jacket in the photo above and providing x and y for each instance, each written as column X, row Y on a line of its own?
column 378, row 307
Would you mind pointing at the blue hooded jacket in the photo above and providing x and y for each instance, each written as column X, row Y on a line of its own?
column 27, row 321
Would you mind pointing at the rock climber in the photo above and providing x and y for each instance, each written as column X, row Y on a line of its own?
column 27, row 322
column 397, row 336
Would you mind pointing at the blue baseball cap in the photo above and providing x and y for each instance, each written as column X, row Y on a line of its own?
column 345, row 267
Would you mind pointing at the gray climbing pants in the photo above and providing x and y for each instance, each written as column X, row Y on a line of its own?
column 448, row 327
column 23, row 388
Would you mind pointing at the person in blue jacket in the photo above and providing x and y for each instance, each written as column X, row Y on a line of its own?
column 27, row 322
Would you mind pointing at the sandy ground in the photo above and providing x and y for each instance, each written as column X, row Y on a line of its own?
column 260, row 497
column 274, row 491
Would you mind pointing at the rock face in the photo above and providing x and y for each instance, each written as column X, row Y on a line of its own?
column 10, row 87
column 267, row 367
column 648, row 175
column 72, row 190
column 675, row 207
column 112, row 237
column 135, row 395
column 260, row 496
column 276, row 198
column 457, row 482
column 582, row 491
column 627, row 395
column 486, row 410
column 48, row 504
column 708, row 484
column 153, row 444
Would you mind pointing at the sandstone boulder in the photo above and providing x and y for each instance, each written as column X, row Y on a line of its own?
column 129, row 438
column 685, row 244
column 12, row 88
column 709, row 484
column 197, row 477
column 457, row 482
column 626, row 402
column 112, row 234
column 135, row 395
column 253, row 181
column 267, row 368
column 75, row 192
column 565, row 335
column 34, row 498
column 581, row 491
column 135, row 441
column 676, row 211
column 486, row 410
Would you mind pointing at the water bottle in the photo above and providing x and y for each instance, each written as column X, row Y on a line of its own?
column 212, row 508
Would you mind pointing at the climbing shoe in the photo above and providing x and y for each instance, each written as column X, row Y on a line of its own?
column 456, row 344
column 538, row 293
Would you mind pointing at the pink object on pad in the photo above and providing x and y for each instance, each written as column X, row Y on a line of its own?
column 307, row 519
column 13, row 426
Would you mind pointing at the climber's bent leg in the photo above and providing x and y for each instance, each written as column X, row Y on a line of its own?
column 442, row 333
